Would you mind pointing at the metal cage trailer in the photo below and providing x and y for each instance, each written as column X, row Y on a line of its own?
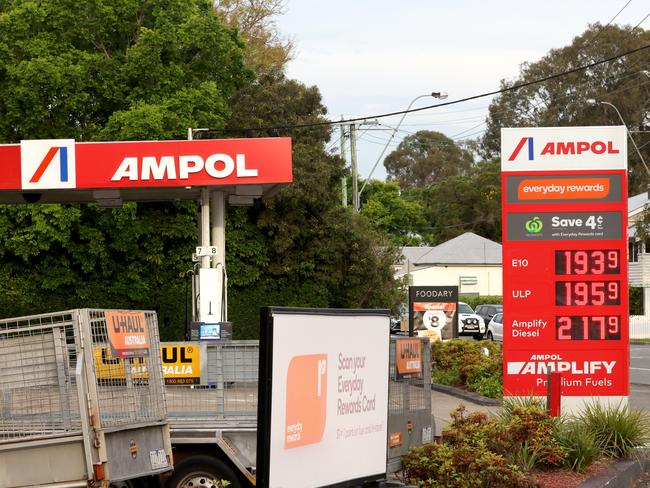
column 62, row 427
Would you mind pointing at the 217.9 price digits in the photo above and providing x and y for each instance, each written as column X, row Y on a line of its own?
column 585, row 328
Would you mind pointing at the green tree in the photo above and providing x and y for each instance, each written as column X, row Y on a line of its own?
column 424, row 158
column 563, row 101
column 398, row 214
column 267, row 50
column 148, row 71
column 301, row 248
column 465, row 203
column 108, row 70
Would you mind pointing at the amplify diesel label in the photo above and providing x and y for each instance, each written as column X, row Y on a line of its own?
column 560, row 226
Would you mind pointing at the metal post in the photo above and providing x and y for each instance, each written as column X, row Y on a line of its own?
column 344, row 180
column 353, row 162
column 205, row 225
column 218, row 223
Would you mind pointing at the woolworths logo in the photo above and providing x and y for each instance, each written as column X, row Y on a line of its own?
column 534, row 225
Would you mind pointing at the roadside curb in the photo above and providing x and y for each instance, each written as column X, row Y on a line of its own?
column 465, row 395
column 621, row 474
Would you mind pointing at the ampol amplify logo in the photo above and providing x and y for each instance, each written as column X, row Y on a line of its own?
column 520, row 145
column 541, row 364
column 47, row 164
column 306, row 401
column 534, row 225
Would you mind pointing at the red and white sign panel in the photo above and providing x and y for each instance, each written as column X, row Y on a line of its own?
column 64, row 164
column 564, row 200
column 323, row 408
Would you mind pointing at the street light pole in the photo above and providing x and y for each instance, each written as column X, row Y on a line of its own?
column 438, row 95
column 602, row 102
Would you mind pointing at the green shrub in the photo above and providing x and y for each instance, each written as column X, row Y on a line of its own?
column 490, row 386
column 617, row 429
column 509, row 403
column 449, row 376
column 472, row 455
column 463, row 363
column 580, row 445
column 534, row 435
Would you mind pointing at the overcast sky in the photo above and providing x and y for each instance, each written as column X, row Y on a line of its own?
column 370, row 57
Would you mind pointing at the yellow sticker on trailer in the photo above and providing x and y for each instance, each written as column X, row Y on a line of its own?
column 181, row 364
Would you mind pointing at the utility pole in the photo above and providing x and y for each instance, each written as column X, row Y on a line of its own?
column 344, row 180
column 353, row 164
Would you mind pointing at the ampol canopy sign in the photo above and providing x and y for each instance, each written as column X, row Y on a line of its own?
column 58, row 164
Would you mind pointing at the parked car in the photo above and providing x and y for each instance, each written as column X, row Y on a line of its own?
column 469, row 323
column 495, row 328
column 487, row 311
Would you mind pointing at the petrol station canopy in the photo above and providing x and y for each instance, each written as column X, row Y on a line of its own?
column 109, row 173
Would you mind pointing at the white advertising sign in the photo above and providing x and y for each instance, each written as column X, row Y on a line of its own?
column 563, row 148
column 329, row 402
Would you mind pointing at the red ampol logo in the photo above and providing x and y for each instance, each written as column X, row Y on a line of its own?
column 564, row 148
column 520, row 145
column 48, row 164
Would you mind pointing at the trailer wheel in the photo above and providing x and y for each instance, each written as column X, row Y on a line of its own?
column 202, row 472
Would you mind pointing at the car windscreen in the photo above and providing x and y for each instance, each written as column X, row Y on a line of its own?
column 464, row 308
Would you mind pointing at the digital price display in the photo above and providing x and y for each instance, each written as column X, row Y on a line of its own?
column 587, row 293
column 565, row 283
column 588, row 328
column 588, row 262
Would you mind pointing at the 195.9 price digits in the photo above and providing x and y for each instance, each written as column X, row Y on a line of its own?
column 587, row 293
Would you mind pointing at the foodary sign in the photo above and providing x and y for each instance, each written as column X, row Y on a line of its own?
column 565, row 287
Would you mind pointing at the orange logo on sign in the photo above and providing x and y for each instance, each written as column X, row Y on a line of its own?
column 127, row 333
column 306, row 400
column 564, row 189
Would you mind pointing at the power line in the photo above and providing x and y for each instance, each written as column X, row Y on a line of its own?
column 642, row 21
column 514, row 87
column 607, row 25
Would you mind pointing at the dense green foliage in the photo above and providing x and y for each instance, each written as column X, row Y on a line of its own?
column 130, row 70
column 509, row 449
column 617, row 429
column 462, row 363
column 433, row 214
column 426, row 157
column 564, row 101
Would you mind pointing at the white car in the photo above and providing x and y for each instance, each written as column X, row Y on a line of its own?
column 495, row 328
column 469, row 323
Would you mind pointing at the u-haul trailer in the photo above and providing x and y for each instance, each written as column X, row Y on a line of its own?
column 59, row 427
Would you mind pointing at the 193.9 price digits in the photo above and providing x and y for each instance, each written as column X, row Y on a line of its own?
column 588, row 262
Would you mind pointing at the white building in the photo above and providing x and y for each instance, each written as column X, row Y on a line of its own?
column 470, row 261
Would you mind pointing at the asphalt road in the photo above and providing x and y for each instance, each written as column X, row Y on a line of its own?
column 640, row 364
column 640, row 376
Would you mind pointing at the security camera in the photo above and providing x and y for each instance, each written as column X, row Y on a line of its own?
column 32, row 197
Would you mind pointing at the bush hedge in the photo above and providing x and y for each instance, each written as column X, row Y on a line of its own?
column 463, row 364
column 504, row 451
